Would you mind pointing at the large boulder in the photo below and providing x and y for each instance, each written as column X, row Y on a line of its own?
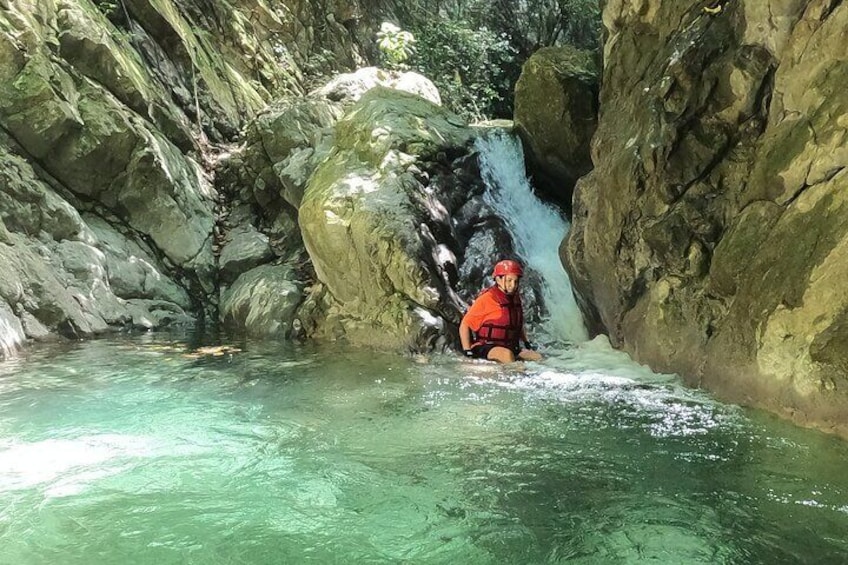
column 348, row 88
column 556, row 112
column 711, row 237
column 262, row 302
column 364, row 218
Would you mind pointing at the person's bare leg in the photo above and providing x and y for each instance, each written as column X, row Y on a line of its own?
column 530, row 355
column 501, row 355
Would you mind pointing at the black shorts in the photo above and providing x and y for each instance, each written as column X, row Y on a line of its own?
column 481, row 351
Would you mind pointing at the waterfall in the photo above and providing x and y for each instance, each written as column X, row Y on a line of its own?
column 536, row 228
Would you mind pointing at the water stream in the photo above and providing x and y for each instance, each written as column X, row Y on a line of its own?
column 537, row 230
column 133, row 450
column 136, row 449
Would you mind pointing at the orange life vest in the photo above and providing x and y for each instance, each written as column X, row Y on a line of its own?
column 505, row 330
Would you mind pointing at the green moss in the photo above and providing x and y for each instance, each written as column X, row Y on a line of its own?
column 33, row 111
column 567, row 61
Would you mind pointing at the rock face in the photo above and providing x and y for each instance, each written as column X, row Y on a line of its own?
column 556, row 111
column 107, row 110
column 75, row 273
column 711, row 239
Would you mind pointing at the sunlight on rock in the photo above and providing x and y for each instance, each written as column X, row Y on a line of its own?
column 334, row 219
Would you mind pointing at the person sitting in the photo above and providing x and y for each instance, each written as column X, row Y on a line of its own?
column 496, row 319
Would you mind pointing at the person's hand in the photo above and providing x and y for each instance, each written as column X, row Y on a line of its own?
column 468, row 352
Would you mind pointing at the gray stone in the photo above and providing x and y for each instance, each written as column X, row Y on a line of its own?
column 348, row 88
column 361, row 215
column 262, row 302
column 246, row 249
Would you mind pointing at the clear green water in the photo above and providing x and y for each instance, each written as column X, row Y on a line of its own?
column 120, row 451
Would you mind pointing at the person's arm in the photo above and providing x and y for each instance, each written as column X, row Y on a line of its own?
column 471, row 321
column 528, row 351
column 528, row 345
column 465, row 335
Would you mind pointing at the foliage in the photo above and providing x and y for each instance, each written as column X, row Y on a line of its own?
column 107, row 7
column 473, row 49
column 529, row 24
column 474, row 69
column 395, row 45
column 533, row 24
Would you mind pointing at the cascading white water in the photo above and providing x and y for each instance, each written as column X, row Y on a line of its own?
column 536, row 228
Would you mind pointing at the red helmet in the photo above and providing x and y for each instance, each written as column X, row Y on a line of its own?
column 507, row 267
